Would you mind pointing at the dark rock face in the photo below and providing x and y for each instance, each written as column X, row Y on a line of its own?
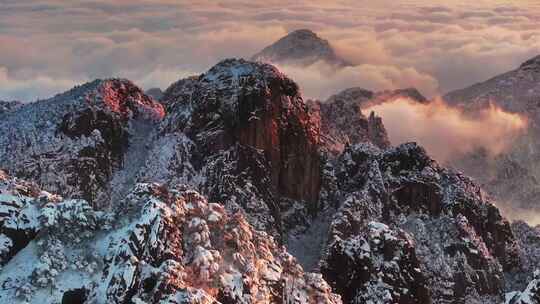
column 300, row 47
column 179, row 93
column 441, row 239
column 75, row 296
column 254, row 107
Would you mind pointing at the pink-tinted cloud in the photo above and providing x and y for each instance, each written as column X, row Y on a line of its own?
column 450, row 45
column 448, row 133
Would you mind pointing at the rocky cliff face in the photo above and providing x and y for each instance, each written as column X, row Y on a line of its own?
column 343, row 120
column 343, row 123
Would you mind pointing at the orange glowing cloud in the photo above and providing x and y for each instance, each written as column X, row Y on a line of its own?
column 447, row 132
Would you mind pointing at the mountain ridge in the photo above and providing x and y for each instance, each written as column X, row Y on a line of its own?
column 206, row 195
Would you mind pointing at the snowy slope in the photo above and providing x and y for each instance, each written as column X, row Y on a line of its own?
column 72, row 143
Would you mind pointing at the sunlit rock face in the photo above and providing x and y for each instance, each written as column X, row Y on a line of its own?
column 73, row 143
column 301, row 47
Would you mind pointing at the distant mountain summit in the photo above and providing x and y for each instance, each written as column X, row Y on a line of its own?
column 516, row 91
column 300, row 47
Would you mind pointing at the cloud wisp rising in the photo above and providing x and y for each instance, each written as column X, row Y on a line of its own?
column 448, row 133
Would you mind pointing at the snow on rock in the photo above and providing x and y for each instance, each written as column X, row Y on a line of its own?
column 159, row 245
column 251, row 139
column 72, row 143
column 410, row 231
column 19, row 222
column 531, row 294
column 6, row 106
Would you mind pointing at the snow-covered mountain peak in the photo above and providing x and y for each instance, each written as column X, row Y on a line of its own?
column 236, row 72
column 301, row 47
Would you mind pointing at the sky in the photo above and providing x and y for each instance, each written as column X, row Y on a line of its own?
column 47, row 46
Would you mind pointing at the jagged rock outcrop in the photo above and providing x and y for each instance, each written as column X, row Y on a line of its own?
column 409, row 231
column 300, row 47
column 343, row 117
column 157, row 245
column 73, row 143
column 343, row 123
column 246, row 120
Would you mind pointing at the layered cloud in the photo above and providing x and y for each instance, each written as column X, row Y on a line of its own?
column 320, row 80
column 391, row 43
column 448, row 133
